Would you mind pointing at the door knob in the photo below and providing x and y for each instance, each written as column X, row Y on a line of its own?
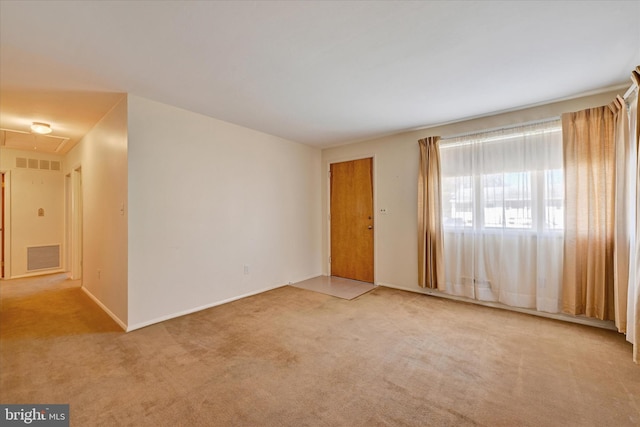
column 370, row 227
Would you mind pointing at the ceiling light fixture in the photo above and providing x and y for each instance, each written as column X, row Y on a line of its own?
column 41, row 128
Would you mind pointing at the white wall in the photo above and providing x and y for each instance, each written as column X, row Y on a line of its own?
column 207, row 198
column 27, row 191
column 396, row 185
column 102, row 157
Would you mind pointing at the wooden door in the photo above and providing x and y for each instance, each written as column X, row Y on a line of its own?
column 1, row 225
column 352, row 220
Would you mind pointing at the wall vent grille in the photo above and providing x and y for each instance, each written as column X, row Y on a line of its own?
column 43, row 257
column 23, row 162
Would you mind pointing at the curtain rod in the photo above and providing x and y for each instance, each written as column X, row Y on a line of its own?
column 632, row 88
column 627, row 94
column 477, row 132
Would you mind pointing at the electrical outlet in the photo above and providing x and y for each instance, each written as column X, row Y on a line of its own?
column 383, row 211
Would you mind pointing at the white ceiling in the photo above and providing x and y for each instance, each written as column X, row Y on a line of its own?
column 320, row 73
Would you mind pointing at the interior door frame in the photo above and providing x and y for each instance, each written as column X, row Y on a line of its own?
column 5, row 270
column 375, row 208
column 74, row 222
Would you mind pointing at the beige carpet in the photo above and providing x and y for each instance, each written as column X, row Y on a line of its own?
column 290, row 357
column 336, row 286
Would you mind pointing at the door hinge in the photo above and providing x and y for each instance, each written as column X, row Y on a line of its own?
column 329, row 174
column 329, row 259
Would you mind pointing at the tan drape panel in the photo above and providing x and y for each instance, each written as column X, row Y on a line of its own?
column 622, row 242
column 430, row 234
column 635, row 75
column 589, row 162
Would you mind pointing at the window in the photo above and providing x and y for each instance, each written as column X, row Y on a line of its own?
column 457, row 201
column 509, row 179
column 506, row 200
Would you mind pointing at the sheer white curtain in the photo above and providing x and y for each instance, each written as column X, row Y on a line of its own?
column 503, row 215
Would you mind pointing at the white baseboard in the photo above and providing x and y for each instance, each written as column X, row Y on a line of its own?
column 105, row 309
column 604, row 324
column 200, row 308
